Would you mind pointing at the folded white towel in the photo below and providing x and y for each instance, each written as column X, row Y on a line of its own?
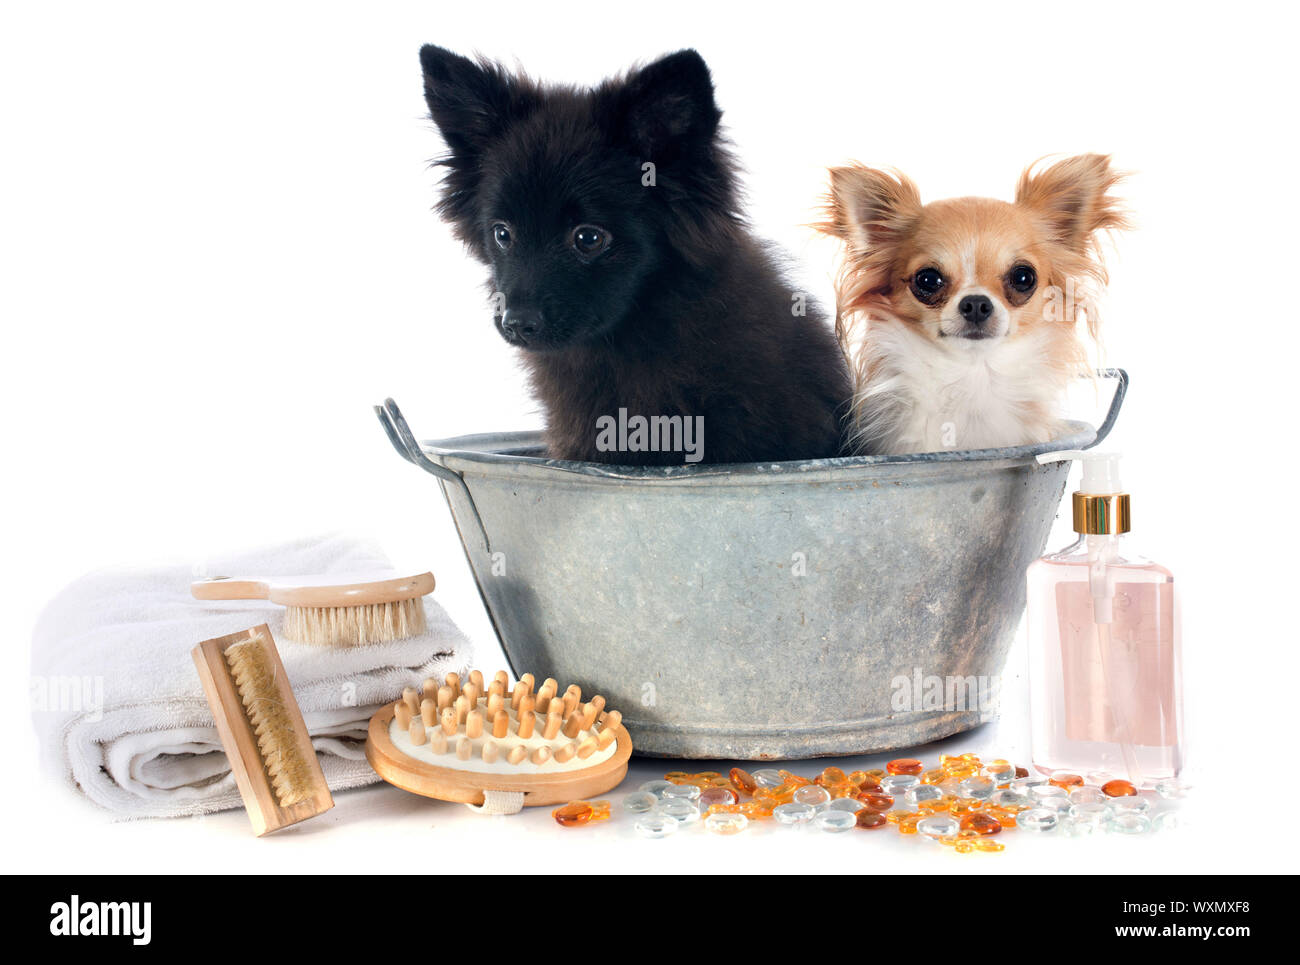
column 118, row 706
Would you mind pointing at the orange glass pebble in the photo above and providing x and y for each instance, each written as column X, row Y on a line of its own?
column 573, row 814
column 1066, row 781
column 964, row 805
column 857, row 777
column 869, row 820
column 831, row 775
column 934, row 776
column 981, row 823
column 743, row 781
column 963, row 846
column 599, row 810
column 756, row 810
column 677, row 777
column 1118, row 788
column 1022, row 772
column 875, row 774
column 876, row 802
column 905, row 765
column 871, row 787
column 1004, row 816
column 847, row 789
column 985, row 844
column 707, row 775
column 907, row 824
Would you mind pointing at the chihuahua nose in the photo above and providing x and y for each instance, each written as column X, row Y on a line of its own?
column 976, row 309
column 524, row 324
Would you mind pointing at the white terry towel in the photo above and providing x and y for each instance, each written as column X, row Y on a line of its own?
column 118, row 706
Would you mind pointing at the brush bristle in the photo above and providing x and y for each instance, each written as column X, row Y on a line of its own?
column 253, row 671
column 355, row 626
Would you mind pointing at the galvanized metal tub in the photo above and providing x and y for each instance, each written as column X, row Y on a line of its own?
column 761, row 611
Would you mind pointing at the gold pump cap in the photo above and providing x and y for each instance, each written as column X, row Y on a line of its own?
column 1101, row 507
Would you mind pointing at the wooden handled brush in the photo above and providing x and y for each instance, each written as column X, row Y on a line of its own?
column 262, row 729
column 454, row 740
column 337, row 610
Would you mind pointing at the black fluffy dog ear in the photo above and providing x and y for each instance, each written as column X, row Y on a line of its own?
column 666, row 108
column 470, row 102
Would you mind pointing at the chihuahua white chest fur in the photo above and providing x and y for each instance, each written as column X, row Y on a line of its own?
column 926, row 396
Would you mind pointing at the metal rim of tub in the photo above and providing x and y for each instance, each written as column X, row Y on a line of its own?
column 512, row 460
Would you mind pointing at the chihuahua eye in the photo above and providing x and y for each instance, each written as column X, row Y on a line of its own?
column 501, row 235
column 590, row 240
column 1022, row 278
column 927, row 283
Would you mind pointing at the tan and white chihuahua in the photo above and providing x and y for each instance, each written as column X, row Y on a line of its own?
column 961, row 318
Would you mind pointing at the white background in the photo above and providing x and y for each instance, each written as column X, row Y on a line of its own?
column 218, row 253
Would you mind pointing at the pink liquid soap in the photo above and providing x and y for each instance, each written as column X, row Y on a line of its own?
column 1104, row 648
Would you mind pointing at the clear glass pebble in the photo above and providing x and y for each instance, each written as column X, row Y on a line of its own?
column 813, row 795
column 656, row 825
column 768, row 777
column 792, row 812
column 684, row 811
column 1089, row 813
column 1130, row 804
column 1008, row 798
column 1037, row 819
column 836, row 821
column 1088, row 795
column 922, row 792
column 849, row 805
column 980, row 788
column 1045, row 792
column 1129, row 822
column 726, row 823
column 1061, row 805
column 1099, row 777
column 716, row 795
column 1023, row 785
column 681, row 792
column 938, row 826
column 638, row 802
column 896, row 784
column 656, row 788
column 1077, row 829
column 1171, row 789
column 1166, row 821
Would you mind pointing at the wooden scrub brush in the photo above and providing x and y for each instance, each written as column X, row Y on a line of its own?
column 455, row 741
column 338, row 610
column 262, row 730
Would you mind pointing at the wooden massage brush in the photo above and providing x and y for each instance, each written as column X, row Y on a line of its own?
column 336, row 610
column 453, row 740
column 261, row 729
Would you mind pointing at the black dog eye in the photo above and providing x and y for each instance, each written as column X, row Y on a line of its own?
column 1022, row 278
column 588, row 239
column 927, row 283
column 501, row 235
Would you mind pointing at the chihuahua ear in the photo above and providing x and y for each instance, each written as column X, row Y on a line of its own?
column 1074, row 197
column 869, row 208
column 666, row 108
column 470, row 101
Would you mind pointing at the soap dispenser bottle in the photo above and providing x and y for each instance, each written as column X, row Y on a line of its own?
column 1104, row 644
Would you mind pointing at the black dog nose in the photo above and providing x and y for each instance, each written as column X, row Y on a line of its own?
column 976, row 309
column 524, row 324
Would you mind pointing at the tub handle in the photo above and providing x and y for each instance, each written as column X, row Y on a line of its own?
column 404, row 441
column 1116, row 401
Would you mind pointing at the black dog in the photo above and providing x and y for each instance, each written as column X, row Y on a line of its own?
column 622, row 265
